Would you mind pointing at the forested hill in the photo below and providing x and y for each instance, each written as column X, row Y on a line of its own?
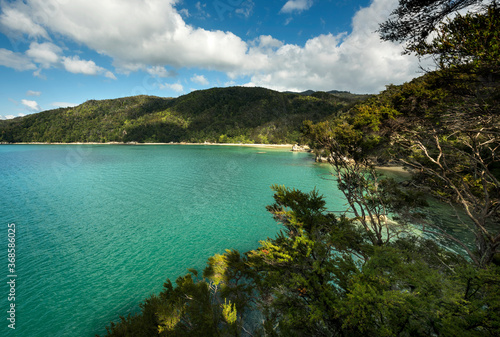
column 236, row 114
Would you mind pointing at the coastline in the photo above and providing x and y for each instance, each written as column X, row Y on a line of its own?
column 393, row 170
column 269, row 146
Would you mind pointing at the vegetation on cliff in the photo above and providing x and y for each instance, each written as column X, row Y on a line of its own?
column 224, row 115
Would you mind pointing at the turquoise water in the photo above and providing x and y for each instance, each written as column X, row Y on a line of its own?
column 101, row 227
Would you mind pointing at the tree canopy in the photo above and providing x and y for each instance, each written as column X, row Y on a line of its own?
column 322, row 276
column 224, row 115
column 413, row 21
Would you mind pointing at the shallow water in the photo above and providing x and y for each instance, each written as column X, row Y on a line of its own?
column 99, row 228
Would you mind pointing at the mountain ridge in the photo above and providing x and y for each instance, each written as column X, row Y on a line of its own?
column 218, row 115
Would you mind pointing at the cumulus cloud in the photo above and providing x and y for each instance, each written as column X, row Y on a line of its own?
column 177, row 87
column 87, row 67
column 156, row 35
column 76, row 66
column 161, row 72
column 31, row 105
column 33, row 93
column 17, row 18
column 15, row 61
column 359, row 62
column 200, row 79
column 296, row 6
column 46, row 54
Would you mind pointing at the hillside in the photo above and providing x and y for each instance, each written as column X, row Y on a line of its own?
column 236, row 114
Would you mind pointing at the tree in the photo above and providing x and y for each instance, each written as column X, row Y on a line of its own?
column 461, row 164
column 455, row 148
column 322, row 276
column 470, row 42
column 306, row 268
column 371, row 198
column 413, row 21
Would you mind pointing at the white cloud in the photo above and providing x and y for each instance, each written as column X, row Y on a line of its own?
column 38, row 73
column 200, row 79
column 110, row 75
column 76, row 66
column 31, row 105
column 33, row 93
column 177, row 87
column 359, row 62
column 63, row 104
column 87, row 67
column 159, row 71
column 15, row 61
column 157, row 36
column 16, row 18
column 46, row 54
column 11, row 116
column 296, row 6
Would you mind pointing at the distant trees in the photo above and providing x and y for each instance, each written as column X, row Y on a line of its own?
column 247, row 115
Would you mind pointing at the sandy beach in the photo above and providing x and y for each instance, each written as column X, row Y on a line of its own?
column 270, row 146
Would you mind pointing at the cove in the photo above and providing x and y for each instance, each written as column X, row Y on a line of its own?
column 101, row 227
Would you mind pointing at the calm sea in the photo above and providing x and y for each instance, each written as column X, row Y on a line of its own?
column 100, row 227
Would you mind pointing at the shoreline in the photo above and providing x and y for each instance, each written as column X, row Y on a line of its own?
column 270, row 146
column 391, row 169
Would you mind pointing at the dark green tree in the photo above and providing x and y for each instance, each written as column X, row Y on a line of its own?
column 413, row 21
column 470, row 42
column 322, row 276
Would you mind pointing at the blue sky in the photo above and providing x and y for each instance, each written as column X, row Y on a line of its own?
column 64, row 52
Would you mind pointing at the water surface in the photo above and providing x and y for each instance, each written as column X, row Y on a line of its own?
column 101, row 227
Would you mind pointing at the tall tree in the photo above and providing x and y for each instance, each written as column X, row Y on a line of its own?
column 413, row 21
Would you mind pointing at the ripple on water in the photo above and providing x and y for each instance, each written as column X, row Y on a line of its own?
column 98, row 236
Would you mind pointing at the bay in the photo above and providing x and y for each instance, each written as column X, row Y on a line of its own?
column 101, row 227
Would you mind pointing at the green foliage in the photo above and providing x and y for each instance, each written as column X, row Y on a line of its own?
column 413, row 21
column 471, row 40
column 229, row 312
column 225, row 115
column 321, row 276
column 371, row 115
column 443, row 125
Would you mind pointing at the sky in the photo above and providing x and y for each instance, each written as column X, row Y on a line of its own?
column 60, row 53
